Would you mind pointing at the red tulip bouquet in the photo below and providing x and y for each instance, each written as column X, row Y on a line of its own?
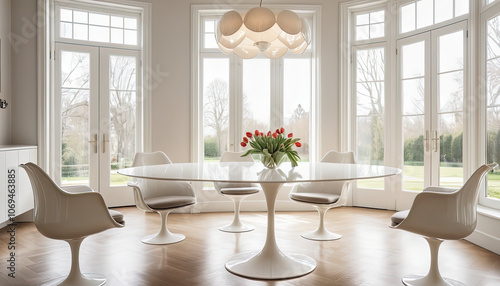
column 273, row 148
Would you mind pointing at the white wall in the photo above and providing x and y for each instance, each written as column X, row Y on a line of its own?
column 5, row 64
column 23, row 70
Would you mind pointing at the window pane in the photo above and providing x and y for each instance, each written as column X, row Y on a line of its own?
column 116, row 36
column 215, row 107
column 81, row 32
column 413, row 96
column 493, row 150
column 407, row 18
column 362, row 33
column 413, row 166
column 66, row 15
column 362, row 19
column 377, row 17
column 99, row 19
column 256, row 95
column 99, row 34
column 424, row 13
column 75, row 70
column 75, row 74
column 81, row 17
column 116, row 22
column 493, row 81
column 370, row 96
column 451, row 52
column 297, row 101
column 210, row 26
column 451, row 150
column 370, row 147
column 131, row 23
column 210, row 42
column 66, row 30
column 444, row 10
column 461, row 7
column 493, row 37
column 413, row 58
column 130, row 37
column 377, row 31
column 451, row 88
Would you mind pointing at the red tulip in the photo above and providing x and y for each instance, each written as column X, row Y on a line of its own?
column 275, row 135
column 282, row 130
column 256, row 132
column 269, row 134
column 249, row 134
column 298, row 144
column 261, row 134
column 290, row 135
column 277, row 131
column 243, row 144
column 245, row 140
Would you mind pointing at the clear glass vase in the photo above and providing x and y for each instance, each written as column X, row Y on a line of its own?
column 273, row 160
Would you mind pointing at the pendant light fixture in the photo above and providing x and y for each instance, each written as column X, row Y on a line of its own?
column 261, row 30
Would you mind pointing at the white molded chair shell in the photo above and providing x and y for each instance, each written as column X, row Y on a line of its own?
column 236, row 192
column 325, row 195
column 160, row 196
column 442, row 214
column 70, row 217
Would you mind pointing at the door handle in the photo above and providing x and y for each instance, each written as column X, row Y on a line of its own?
column 104, row 141
column 95, row 142
column 427, row 135
column 435, row 140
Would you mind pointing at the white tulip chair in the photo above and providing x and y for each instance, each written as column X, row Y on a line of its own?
column 237, row 192
column 70, row 217
column 440, row 214
column 160, row 196
column 325, row 195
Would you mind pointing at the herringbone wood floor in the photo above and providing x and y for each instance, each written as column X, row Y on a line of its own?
column 370, row 253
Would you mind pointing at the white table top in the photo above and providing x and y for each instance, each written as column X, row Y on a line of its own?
column 257, row 173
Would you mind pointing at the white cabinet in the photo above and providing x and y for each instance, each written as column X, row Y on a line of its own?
column 15, row 187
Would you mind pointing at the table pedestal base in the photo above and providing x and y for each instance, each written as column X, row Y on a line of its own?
column 270, row 262
column 260, row 266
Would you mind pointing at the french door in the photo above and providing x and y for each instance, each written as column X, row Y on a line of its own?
column 432, row 88
column 97, row 118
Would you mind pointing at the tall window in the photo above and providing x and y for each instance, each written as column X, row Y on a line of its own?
column 492, row 102
column 98, row 99
column 236, row 96
column 369, row 62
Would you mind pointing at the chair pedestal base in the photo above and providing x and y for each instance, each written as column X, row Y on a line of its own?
column 425, row 280
column 236, row 226
column 321, row 234
column 164, row 236
column 86, row 279
column 159, row 238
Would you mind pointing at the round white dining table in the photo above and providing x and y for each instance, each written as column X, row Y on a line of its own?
column 270, row 262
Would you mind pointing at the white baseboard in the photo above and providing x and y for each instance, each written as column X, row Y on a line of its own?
column 485, row 240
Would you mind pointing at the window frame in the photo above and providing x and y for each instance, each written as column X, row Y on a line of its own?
column 205, row 12
column 486, row 15
column 58, row 4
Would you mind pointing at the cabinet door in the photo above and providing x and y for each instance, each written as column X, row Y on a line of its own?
column 11, row 166
column 25, row 194
column 3, row 188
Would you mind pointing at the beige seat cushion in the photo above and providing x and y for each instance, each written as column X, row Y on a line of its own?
column 116, row 215
column 398, row 217
column 239, row 191
column 315, row 198
column 169, row 202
